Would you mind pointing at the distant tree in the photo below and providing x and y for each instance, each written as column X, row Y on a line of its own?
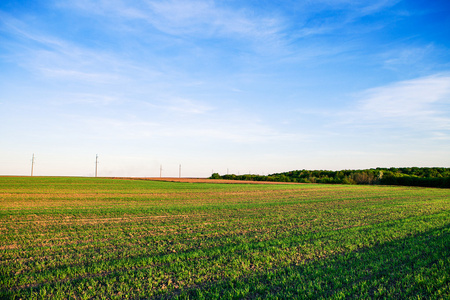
column 427, row 177
column 215, row 176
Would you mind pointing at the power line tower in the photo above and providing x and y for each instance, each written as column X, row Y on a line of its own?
column 32, row 165
column 96, row 164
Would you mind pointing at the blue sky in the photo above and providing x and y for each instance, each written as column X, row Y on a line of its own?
column 243, row 86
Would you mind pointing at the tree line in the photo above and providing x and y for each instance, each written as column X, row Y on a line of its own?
column 414, row 176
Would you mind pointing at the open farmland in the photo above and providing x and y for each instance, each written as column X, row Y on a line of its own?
column 110, row 238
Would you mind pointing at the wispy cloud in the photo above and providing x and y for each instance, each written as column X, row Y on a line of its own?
column 326, row 17
column 197, row 18
column 49, row 55
column 80, row 75
column 357, row 8
column 55, row 57
column 207, row 18
column 371, row 7
column 406, row 56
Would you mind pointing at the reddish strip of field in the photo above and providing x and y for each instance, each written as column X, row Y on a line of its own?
column 203, row 180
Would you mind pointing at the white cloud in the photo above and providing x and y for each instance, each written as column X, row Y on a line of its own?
column 85, row 98
column 422, row 102
column 186, row 106
column 198, row 129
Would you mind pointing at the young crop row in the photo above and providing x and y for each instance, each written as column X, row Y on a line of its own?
column 104, row 238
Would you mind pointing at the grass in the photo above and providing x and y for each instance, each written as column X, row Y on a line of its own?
column 100, row 238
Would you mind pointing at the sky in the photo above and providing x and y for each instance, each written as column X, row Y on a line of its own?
column 222, row 86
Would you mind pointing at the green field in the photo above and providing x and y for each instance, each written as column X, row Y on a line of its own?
column 84, row 238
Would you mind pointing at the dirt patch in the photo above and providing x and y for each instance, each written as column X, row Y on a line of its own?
column 8, row 247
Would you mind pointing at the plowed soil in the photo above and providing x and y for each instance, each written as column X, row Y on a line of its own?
column 204, row 180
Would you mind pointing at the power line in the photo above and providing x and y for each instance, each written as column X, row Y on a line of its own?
column 32, row 165
column 96, row 164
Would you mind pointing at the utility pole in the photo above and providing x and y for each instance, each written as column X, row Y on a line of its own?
column 32, row 165
column 179, row 172
column 96, row 164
